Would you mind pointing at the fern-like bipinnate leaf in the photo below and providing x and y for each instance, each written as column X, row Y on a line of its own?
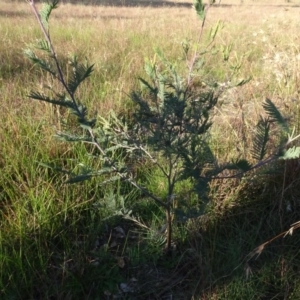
column 261, row 139
column 80, row 73
column 291, row 153
column 43, row 45
column 275, row 115
column 199, row 8
column 150, row 69
column 79, row 178
column 44, row 65
column 46, row 11
column 42, row 97
column 152, row 90
column 67, row 137
column 240, row 164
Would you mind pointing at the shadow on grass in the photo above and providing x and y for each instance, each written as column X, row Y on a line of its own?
column 87, row 256
column 257, row 213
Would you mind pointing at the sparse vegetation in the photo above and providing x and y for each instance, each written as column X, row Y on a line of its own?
column 68, row 241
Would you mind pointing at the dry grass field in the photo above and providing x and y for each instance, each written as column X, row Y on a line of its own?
column 49, row 229
column 118, row 38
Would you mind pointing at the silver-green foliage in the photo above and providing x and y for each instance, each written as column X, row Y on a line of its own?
column 285, row 148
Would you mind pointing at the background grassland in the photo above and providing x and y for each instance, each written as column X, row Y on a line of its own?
column 56, row 240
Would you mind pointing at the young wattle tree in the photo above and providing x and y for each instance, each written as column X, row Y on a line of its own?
column 172, row 121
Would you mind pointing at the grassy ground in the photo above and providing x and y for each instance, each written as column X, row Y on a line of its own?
column 62, row 242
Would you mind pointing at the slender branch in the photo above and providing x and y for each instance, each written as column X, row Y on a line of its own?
column 292, row 139
column 262, row 163
column 196, row 54
column 122, row 176
column 153, row 159
column 169, row 227
column 258, row 165
column 258, row 250
column 54, row 55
